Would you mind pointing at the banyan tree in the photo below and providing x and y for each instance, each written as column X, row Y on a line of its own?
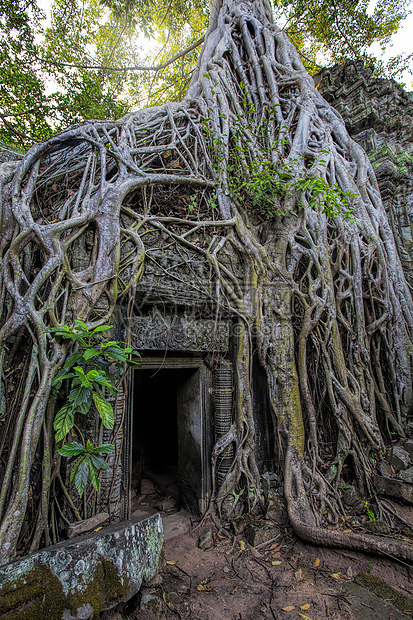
column 253, row 179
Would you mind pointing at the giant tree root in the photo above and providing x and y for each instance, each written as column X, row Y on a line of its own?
column 303, row 522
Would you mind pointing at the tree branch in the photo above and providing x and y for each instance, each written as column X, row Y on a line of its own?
column 165, row 64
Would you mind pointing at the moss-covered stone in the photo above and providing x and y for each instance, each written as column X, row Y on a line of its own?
column 40, row 594
column 385, row 591
column 79, row 578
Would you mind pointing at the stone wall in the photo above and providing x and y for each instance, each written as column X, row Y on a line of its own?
column 379, row 116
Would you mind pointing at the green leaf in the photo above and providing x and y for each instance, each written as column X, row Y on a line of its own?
column 94, row 475
column 117, row 353
column 80, row 397
column 80, row 474
column 81, row 374
column 102, row 328
column 102, row 380
column 61, row 377
column 63, row 421
column 71, row 360
column 105, row 410
column 89, row 353
column 99, row 462
column 104, row 448
column 72, row 449
column 82, row 325
column 110, row 343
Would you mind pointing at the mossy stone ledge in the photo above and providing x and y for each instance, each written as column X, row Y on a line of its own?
column 83, row 576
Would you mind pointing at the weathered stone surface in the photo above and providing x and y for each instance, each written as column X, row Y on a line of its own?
column 260, row 534
column 384, row 469
column 394, row 488
column 179, row 334
column 377, row 527
column 78, row 578
column 379, row 116
column 147, row 487
column 269, row 480
column 155, row 581
column 400, row 458
column 172, row 597
column 80, row 527
column 406, row 475
column 206, row 541
column 152, row 602
column 276, row 509
column 176, row 524
column 354, row 499
column 168, row 505
column 364, row 604
column 385, row 591
column 408, row 446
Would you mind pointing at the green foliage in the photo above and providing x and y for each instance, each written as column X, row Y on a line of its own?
column 23, row 102
column 87, row 460
column 369, row 512
column 340, row 29
column 267, row 186
column 57, row 75
column 192, row 201
column 87, row 369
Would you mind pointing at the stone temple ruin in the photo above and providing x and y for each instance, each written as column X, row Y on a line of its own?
column 379, row 116
column 185, row 385
column 185, row 392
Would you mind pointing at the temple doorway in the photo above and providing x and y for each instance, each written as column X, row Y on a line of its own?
column 172, row 432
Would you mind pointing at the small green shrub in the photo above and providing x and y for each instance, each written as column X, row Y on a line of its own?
column 87, row 369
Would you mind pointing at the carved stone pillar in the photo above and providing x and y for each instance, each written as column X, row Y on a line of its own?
column 223, row 416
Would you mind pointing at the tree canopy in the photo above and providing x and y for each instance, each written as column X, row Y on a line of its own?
column 87, row 63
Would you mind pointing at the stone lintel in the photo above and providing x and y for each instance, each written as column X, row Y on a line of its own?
column 179, row 334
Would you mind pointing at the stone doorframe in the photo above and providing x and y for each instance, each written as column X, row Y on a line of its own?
column 201, row 429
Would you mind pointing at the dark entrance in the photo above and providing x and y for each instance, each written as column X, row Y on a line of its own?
column 155, row 436
column 171, row 428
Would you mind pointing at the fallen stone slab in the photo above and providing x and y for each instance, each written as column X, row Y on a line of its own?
column 260, row 534
column 363, row 604
column 276, row 508
column 382, row 589
column 176, row 524
column 408, row 446
column 75, row 579
column 406, row 475
column 81, row 527
column 394, row 488
column 377, row 527
column 399, row 458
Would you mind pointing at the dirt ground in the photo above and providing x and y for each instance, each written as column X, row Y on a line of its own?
column 282, row 579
